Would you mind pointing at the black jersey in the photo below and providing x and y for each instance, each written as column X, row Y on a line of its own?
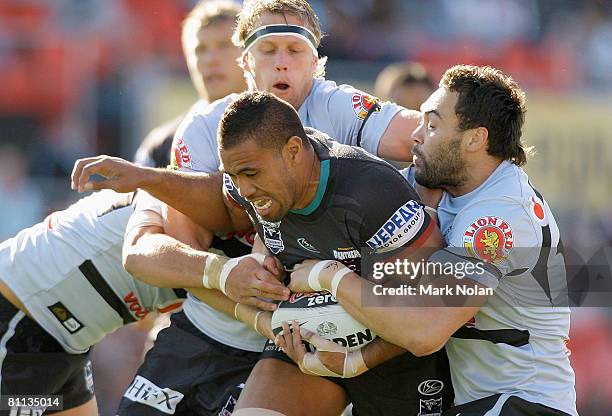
column 362, row 203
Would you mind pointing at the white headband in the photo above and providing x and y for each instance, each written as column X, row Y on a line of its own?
column 281, row 30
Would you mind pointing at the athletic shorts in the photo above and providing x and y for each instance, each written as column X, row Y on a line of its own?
column 36, row 364
column 404, row 386
column 186, row 373
column 503, row 405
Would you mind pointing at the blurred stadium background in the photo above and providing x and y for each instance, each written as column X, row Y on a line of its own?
column 85, row 77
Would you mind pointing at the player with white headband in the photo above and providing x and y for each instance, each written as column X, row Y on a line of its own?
column 282, row 30
column 280, row 58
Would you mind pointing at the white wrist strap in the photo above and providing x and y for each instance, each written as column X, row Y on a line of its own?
column 227, row 268
column 313, row 276
column 313, row 366
column 337, row 279
column 354, row 364
column 212, row 267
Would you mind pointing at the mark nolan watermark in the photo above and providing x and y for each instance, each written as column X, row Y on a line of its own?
column 432, row 290
column 412, row 271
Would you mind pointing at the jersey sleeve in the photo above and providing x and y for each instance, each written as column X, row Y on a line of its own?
column 359, row 119
column 500, row 233
column 392, row 214
column 194, row 148
column 148, row 211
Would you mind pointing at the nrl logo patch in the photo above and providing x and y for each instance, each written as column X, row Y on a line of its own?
column 306, row 245
column 65, row 317
column 273, row 239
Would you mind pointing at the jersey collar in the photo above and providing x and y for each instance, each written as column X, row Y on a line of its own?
column 314, row 204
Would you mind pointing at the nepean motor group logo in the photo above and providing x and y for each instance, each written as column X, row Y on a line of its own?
column 399, row 229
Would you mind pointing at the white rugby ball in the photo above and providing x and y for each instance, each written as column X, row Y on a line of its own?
column 319, row 312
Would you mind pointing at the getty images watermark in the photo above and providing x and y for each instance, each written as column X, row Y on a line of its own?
column 411, row 271
column 529, row 276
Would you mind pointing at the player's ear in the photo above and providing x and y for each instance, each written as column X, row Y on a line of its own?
column 315, row 63
column 292, row 150
column 478, row 139
column 244, row 62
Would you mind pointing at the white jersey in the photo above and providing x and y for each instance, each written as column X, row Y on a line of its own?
column 68, row 273
column 516, row 343
column 339, row 111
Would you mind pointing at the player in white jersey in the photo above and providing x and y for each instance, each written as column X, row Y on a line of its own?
column 212, row 353
column 507, row 343
column 511, row 357
column 63, row 289
column 209, row 54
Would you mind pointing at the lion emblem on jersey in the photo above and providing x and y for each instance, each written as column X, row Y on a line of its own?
column 489, row 238
column 363, row 104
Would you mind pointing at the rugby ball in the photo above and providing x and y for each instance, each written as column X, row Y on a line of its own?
column 320, row 313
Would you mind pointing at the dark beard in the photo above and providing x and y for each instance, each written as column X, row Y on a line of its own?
column 445, row 169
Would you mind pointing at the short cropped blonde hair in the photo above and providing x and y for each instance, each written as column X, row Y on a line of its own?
column 254, row 9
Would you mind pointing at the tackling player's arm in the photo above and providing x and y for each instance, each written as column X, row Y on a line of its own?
column 161, row 260
column 419, row 324
column 164, row 260
column 394, row 143
column 197, row 195
column 359, row 119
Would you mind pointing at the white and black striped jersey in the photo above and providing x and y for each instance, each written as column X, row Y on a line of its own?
column 68, row 272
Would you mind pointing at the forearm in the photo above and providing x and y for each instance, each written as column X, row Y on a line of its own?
column 162, row 261
column 380, row 351
column 243, row 313
column 393, row 143
column 420, row 324
column 197, row 195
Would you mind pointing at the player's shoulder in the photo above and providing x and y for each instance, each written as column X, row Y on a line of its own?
column 505, row 215
column 195, row 143
column 327, row 87
column 347, row 156
column 368, row 179
column 508, row 192
column 210, row 112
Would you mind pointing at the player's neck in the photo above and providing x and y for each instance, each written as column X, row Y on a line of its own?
column 477, row 173
column 310, row 180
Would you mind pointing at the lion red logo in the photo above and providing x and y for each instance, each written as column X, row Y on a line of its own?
column 489, row 238
column 363, row 104
column 181, row 157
